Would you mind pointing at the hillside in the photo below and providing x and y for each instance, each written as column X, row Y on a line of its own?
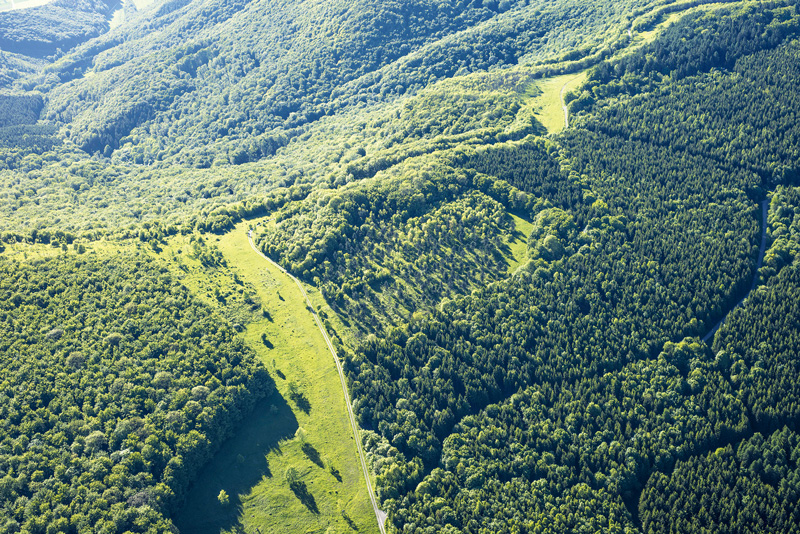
column 525, row 310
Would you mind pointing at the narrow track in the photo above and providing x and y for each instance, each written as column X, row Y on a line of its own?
column 710, row 335
column 380, row 515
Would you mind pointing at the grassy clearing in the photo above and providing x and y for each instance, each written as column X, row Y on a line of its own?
column 518, row 243
column 548, row 103
column 40, row 251
column 312, row 437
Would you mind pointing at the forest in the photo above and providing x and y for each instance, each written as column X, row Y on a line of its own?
column 526, row 320
column 117, row 386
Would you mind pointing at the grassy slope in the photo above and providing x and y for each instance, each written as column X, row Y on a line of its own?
column 548, row 103
column 271, row 444
column 518, row 244
column 251, row 466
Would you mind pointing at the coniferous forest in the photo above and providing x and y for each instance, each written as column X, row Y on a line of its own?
column 592, row 327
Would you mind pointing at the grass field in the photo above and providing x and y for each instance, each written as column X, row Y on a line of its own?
column 548, row 103
column 518, row 244
column 316, row 442
column 40, row 251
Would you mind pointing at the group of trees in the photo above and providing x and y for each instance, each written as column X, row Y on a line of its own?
column 116, row 387
column 695, row 44
column 232, row 82
column 255, row 79
column 43, row 30
column 583, row 449
column 652, row 264
column 742, row 116
column 383, row 249
column 751, row 487
column 669, row 242
column 783, row 230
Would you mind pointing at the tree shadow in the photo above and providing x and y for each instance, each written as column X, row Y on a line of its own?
column 238, row 466
column 350, row 522
column 313, row 454
column 299, row 398
column 300, row 491
column 335, row 472
column 302, row 402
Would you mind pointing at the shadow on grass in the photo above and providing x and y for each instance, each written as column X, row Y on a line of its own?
column 299, row 398
column 302, row 402
column 300, row 491
column 313, row 454
column 238, row 466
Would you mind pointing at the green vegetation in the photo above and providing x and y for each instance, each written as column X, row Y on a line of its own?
column 307, row 434
column 749, row 488
column 662, row 221
column 61, row 24
column 117, row 387
column 519, row 307
column 549, row 102
column 403, row 240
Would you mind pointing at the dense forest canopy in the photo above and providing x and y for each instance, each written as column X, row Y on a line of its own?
column 526, row 320
column 117, row 386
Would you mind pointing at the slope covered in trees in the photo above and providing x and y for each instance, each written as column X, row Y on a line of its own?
column 391, row 153
column 669, row 225
column 252, row 75
column 59, row 25
column 117, row 386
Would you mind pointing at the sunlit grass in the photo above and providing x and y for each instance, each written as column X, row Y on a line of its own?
column 252, row 467
column 548, row 103
column 518, row 243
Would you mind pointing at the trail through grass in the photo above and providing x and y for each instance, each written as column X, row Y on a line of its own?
column 302, row 429
column 548, row 103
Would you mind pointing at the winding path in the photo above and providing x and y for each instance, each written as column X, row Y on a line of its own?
column 761, row 250
column 380, row 515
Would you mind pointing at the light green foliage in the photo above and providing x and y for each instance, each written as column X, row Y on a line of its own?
column 279, row 435
column 402, row 241
column 783, row 230
column 552, row 230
